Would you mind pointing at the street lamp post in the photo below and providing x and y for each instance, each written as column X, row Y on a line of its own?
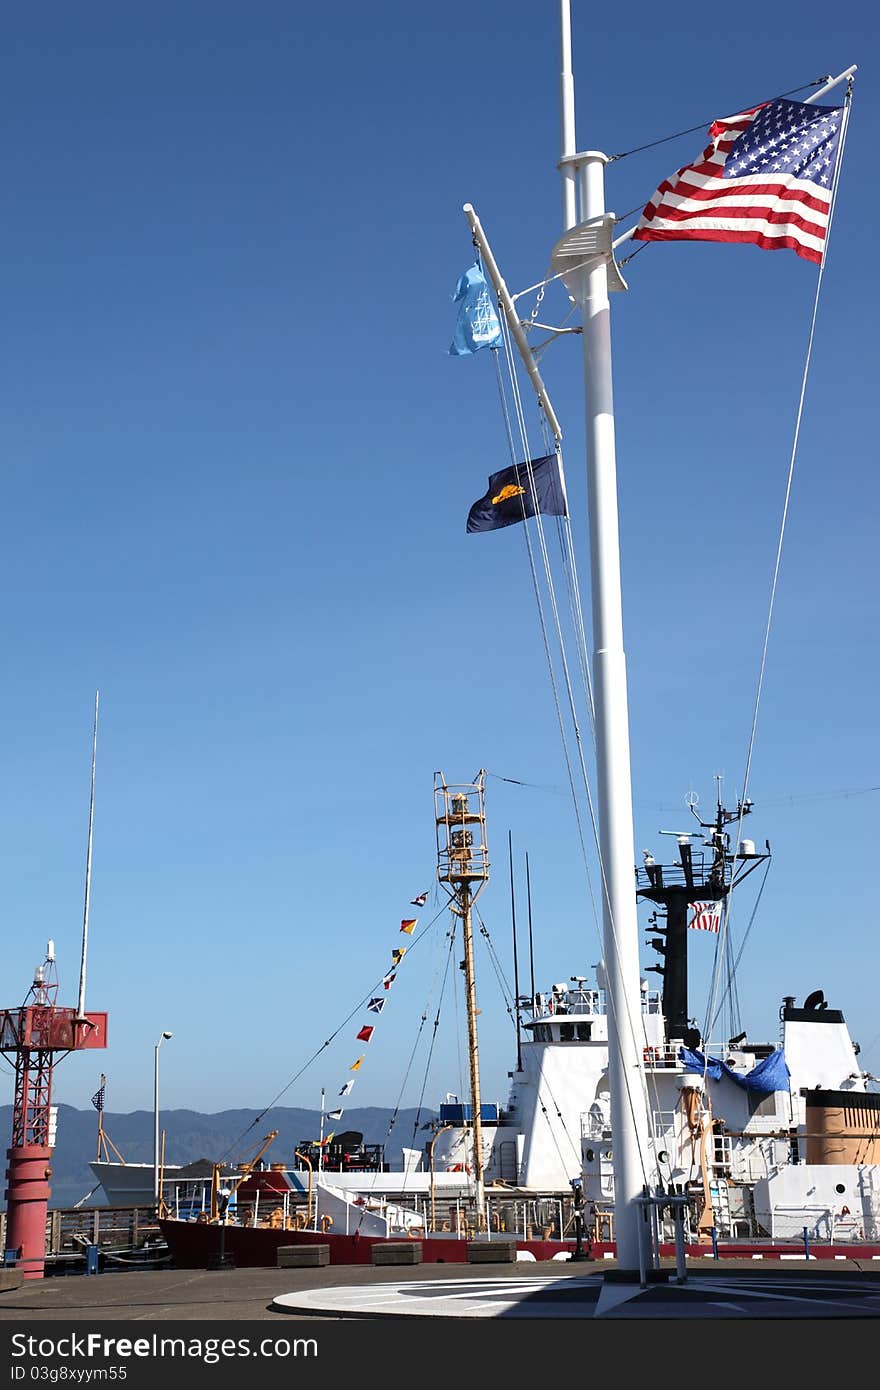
column 156, row 1192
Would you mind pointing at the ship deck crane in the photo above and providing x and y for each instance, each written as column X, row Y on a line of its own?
column 229, row 1191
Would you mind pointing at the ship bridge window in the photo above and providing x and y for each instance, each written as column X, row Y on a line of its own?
column 543, row 1032
column 583, row 1032
column 566, row 1032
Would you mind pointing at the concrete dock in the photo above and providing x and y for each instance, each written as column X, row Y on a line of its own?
column 846, row 1289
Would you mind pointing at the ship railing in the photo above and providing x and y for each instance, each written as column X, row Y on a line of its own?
column 189, row 1199
column 72, row 1231
column 585, row 1001
column 548, row 1217
column 581, row 1002
column 662, row 1058
column 663, row 1122
column 763, row 1157
column 722, row 1152
column 673, row 875
column 594, row 1128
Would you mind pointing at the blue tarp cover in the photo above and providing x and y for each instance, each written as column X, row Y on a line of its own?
column 770, row 1074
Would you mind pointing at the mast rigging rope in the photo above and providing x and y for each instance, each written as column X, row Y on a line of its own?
column 325, row 1044
column 664, row 140
column 721, row 943
column 514, row 386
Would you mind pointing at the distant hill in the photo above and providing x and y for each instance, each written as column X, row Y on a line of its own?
column 230, row 1135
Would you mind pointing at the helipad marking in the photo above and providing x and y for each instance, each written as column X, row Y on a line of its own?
column 613, row 1295
column 547, row 1295
column 469, row 1298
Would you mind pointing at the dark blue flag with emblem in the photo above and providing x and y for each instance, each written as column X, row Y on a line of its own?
column 518, row 492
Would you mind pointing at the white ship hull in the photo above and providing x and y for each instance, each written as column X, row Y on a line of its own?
column 128, row 1184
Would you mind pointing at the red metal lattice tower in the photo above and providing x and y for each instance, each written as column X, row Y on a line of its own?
column 38, row 1034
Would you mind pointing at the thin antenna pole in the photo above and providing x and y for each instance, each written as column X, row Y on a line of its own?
column 81, row 1005
column 566, row 104
column 531, row 950
column 515, row 959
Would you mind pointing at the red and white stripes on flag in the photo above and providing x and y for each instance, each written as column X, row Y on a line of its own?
column 765, row 178
column 707, row 916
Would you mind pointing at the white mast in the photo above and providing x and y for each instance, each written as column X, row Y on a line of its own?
column 589, row 285
column 81, row 1004
column 566, row 115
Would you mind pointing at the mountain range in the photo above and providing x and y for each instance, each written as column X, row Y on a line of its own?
column 229, row 1135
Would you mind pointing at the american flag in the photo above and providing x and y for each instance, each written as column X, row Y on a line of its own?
column 98, row 1097
column 766, row 178
column 707, row 916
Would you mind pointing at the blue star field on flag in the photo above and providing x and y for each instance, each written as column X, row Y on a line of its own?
column 788, row 137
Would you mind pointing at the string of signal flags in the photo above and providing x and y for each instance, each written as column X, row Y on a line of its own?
column 375, row 1006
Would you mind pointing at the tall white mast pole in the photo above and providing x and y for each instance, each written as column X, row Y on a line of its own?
column 81, row 1004
column 621, row 944
column 566, row 104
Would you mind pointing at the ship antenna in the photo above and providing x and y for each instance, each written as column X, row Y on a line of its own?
column 515, row 959
column 81, row 1004
column 567, row 119
column 531, row 948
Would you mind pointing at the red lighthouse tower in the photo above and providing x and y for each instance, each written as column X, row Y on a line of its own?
column 38, row 1033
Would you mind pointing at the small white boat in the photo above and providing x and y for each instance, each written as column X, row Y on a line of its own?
column 128, row 1184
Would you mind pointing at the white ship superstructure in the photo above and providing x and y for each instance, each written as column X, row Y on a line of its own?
column 757, row 1158
column 558, row 1097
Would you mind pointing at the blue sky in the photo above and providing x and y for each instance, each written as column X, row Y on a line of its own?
column 237, row 465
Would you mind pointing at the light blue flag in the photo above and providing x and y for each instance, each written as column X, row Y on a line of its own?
column 477, row 325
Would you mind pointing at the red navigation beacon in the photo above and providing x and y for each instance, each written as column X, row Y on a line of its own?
column 38, row 1033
